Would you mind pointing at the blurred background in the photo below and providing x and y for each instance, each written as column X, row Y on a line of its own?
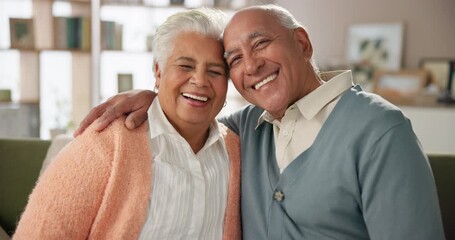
column 60, row 58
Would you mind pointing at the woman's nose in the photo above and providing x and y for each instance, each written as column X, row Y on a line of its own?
column 199, row 79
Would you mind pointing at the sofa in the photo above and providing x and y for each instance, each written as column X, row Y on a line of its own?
column 21, row 161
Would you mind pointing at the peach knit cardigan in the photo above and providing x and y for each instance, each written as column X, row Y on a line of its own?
column 99, row 188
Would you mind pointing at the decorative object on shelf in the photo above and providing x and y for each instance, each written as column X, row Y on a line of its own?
column 124, row 82
column 5, row 95
column 111, row 35
column 374, row 47
column 72, row 33
column 222, row 3
column 400, row 87
column 177, row 2
column 442, row 73
column 21, row 33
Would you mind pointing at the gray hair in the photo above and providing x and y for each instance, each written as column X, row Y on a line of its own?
column 205, row 21
column 285, row 18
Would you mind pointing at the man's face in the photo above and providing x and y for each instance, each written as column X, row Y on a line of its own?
column 193, row 84
column 267, row 61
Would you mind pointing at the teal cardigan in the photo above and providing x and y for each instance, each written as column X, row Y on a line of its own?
column 364, row 177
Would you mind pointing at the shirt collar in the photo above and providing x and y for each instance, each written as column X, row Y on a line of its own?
column 159, row 125
column 335, row 83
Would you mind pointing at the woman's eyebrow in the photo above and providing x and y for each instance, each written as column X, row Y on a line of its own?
column 185, row 59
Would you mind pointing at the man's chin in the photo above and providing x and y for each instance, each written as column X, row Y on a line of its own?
column 274, row 108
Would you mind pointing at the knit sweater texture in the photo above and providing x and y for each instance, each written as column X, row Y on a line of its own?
column 99, row 187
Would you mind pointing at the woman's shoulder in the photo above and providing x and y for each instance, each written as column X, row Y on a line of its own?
column 112, row 137
column 115, row 128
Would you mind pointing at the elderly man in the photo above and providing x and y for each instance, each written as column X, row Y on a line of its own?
column 321, row 159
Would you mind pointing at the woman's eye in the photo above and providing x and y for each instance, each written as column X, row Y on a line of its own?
column 216, row 73
column 186, row 67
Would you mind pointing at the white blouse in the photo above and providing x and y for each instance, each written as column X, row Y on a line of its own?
column 189, row 191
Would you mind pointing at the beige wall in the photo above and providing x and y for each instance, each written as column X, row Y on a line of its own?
column 429, row 25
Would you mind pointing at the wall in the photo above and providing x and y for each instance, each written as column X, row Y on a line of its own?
column 434, row 126
column 429, row 25
column 429, row 32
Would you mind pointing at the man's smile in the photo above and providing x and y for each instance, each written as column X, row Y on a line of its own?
column 265, row 81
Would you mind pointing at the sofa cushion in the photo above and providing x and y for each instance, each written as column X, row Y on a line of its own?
column 20, row 164
column 443, row 167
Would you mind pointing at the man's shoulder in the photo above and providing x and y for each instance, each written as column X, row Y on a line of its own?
column 247, row 115
column 370, row 102
column 370, row 108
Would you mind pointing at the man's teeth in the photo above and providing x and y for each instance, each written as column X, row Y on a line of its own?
column 199, row 98
column 268, row 79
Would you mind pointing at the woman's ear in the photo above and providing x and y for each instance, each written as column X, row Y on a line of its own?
column 303, row 41
column 157, row 75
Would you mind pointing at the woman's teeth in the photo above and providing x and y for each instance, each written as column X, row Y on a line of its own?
column 199, row 98
column 266, row 80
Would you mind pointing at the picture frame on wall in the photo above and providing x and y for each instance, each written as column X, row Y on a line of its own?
column 441, row 71
column 22, row 34
column 400, row 87
column 374, row 46
column 380, row 44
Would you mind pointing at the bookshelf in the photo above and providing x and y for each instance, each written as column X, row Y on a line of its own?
column 39, row 72
column 78, row 49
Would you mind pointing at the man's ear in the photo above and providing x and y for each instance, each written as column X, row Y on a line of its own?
column 301, row 36
column 157, row 75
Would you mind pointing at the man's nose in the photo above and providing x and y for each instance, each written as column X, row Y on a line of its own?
column 252, row 64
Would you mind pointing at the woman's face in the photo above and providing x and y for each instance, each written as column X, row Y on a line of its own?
column 193, row 84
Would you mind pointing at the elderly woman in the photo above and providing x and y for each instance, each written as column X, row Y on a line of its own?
column 176, row 180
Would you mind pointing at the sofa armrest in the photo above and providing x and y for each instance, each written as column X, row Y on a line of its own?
column 443, row 167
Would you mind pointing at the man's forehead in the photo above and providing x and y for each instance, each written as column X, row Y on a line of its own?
column 249, row 15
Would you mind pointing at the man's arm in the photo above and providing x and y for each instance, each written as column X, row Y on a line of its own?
column 134, row 103
column 239, row 120
column 399, row 197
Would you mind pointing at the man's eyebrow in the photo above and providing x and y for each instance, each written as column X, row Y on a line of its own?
column 254, row 35
column 228, row 53
column 249, row 38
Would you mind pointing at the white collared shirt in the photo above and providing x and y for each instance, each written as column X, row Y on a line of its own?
column 303, row 120
column 189, row 191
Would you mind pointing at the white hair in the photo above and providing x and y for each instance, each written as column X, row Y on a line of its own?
column 205, row 21
column 285, row 18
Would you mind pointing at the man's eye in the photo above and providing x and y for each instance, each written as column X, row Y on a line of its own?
column 261, row 43
column 234, row 61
